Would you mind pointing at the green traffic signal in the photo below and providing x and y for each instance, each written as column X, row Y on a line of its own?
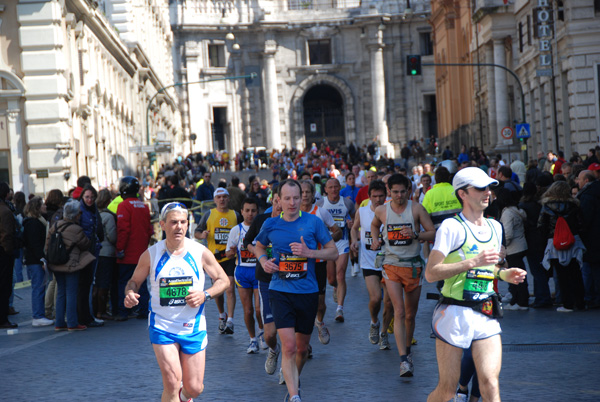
column 413, row 64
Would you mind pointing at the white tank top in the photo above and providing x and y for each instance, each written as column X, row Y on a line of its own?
column 339, row 212
column 244, row 257
column 366, row 255
column 171, row 276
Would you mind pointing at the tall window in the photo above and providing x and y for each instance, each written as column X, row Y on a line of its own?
column 426, row 43
column 529, row 30
column 216, row 55
column 319, row 51
column 520, row 37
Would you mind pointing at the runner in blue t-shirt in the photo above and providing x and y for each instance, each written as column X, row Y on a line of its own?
column 293, row 290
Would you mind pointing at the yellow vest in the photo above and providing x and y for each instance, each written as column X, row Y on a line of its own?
column 219, row 224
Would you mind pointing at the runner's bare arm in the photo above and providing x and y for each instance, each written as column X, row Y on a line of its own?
column 220, row 281
column 378, row 220
column 328, row 252
column 354, row 233
column 142, row 270
column 336, row 232
column 424, row 220
column 436, row 269
column 268, row 264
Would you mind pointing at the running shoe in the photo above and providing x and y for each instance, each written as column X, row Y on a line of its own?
column 460, row 397
column 335, row 299
column 374, row 333
column 384, row 342
column 507, row 298
column 222, row 324
column 41, row 322
column 324, row 336
column 77, row 328
column 515, row 307
column 295, row 398
column 390, row 328
column 339, row 315
column 406, row 369
column 271, row 362
column 355, row 269
column 564, row 310
column 261, row 341
column 281, row 379
column 229, row 328
column 252, row 347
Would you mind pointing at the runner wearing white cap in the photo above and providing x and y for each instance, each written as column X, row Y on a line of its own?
column 466, row 255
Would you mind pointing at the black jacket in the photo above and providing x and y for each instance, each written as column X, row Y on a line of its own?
column 550, row 212
column 535, row 240
column 589, row 198
column 253, row 231
column 34, row 239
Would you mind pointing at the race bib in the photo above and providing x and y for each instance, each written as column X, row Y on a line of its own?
column 340, row 221
column 247, row 257
column 478, row 284
column 369, row 241
column 221, row 236
column 292, row 266
column 395, row 236
column 173, row 290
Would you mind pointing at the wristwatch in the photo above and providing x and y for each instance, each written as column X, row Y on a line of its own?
column 416, row 234
column 207, row 296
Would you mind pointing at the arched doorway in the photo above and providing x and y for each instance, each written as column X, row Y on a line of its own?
column 324, row 115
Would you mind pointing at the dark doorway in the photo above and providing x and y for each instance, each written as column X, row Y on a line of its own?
column 218, row 128
column 324, row 116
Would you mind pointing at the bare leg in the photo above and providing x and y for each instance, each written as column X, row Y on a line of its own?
column 448, row 358
column 388, row 309
column 487, row 355
column 411, row 304
column 289, row 365
column 396, row 291
column 246, row 298
column 374, row 289
column 257, row 309
column 231, row 297
column 341, row 264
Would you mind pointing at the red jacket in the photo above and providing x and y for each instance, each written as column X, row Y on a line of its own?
column 133, row 230
column 362, row 195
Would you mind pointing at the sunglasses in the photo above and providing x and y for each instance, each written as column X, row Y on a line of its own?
column 480, row 189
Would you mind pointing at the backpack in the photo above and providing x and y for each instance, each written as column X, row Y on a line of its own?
column 58, row 254
column 563, row 238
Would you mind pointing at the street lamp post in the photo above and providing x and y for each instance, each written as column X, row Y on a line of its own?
column 180, row 84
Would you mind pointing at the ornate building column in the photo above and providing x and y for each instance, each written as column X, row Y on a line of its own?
column 380, row 126
column 271, row 98
column 15, row 138
column 500, row 82
column 491, row 98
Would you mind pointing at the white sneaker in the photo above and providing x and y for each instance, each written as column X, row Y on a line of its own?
column 514, row 307
column 261, row 341
column 355, row 269
column 507, row 298
column 460, row 397
column 339, row 315
column 384, row 343
column 41, row 322
column 374, row 333
column 406, row 369
column 252, row 347
column 271, row 362
column 564, row 310
column 324, row 336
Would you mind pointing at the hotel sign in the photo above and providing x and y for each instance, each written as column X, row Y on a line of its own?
column 544, row 34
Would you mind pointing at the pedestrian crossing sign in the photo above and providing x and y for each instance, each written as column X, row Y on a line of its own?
column 523, row 130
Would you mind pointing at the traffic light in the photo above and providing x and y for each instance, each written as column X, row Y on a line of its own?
column 413, row 64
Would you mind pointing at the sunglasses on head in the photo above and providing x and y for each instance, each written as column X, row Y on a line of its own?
column 173, row 205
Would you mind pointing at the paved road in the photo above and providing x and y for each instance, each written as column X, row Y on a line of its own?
column 547, row 357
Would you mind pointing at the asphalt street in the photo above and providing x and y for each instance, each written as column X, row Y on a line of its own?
column 548, row 356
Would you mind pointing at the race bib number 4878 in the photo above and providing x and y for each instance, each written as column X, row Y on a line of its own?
column 173, row 290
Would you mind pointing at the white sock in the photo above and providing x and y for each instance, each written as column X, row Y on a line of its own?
column 340, row 307
column 229, row 319
column 319, row 323
column 375, row 324
column 222, row 315
column 252, row 339
column 181, row 397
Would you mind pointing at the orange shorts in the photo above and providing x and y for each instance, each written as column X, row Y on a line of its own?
column 404, row 276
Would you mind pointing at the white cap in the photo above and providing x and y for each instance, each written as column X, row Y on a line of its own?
column 220, row 191
column 472, row 176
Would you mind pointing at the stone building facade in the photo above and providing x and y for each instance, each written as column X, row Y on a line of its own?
column 553, row 49
column 325, row 70
column 76, row 77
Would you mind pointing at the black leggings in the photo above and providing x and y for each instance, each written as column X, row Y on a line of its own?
column 570, row 281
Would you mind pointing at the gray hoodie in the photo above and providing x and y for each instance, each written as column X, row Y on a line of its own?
column 513, row 220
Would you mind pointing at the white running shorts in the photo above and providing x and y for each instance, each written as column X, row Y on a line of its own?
column 459, row 326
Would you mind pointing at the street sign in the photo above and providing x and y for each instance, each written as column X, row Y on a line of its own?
column 523, row 130
column 507, row 133
column 507, row 142
column 543, row 73
column 523, row 147
column 136, row 149
column 41, row 174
